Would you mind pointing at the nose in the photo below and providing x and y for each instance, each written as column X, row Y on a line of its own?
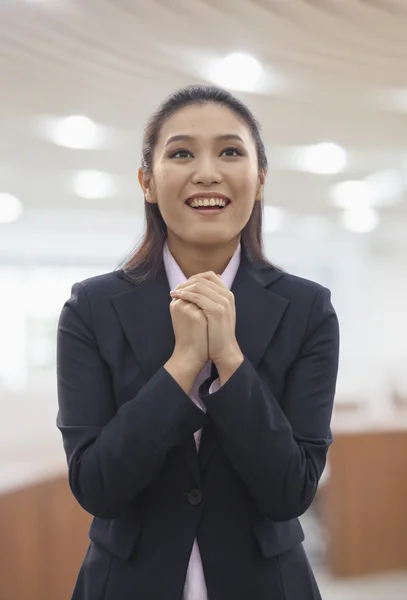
column 206, row 172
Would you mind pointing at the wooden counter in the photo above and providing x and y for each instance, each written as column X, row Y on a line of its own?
column 364, row 501
column 43, row 534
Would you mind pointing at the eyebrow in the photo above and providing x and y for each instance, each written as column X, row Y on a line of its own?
column 190, row 138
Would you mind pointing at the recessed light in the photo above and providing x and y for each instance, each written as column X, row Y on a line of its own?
column 10, row 208
column 321, row 159
column 237, row 71
column 93, row 185
column 353, row 194
column 76, row 132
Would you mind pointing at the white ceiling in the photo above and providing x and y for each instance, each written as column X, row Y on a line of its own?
column 336, row 70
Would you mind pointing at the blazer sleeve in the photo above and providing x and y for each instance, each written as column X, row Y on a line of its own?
column 112, row 454
column 279, row 448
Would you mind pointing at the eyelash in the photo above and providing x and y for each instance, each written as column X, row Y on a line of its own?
column 238, row 152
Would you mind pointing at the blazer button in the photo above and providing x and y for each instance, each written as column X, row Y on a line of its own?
column 195, row 497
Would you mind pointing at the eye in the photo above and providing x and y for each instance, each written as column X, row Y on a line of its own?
column 231, row 150
column 181, row 154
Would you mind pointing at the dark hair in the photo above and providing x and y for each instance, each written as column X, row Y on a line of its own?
column 146, row 259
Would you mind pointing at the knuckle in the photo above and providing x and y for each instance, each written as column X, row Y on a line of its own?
column 193, row 314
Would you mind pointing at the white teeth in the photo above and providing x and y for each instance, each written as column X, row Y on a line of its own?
column 197, row 202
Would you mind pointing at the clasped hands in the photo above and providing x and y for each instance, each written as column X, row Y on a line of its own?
column 208, row 292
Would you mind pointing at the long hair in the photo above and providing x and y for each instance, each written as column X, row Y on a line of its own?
column 146, row 259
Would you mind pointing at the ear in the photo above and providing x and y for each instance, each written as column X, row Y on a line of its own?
column 145, row 184
column 260, row 187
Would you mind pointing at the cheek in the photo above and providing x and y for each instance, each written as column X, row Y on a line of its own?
column 169, row 183
column 245, row 177
column 246, row 188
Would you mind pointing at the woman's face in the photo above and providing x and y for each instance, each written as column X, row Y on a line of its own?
column 204, row 151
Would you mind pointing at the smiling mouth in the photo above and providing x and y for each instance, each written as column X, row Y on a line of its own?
column 214, row 204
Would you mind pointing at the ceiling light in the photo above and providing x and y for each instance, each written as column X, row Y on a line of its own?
column 76, row 132
column 360, row 220
column 237, row 71
column 93, row 185
column 272, row 218
column 322, row 159
column 353, row 194
column 10, row 208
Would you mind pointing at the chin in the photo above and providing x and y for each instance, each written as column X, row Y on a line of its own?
column 208, row 238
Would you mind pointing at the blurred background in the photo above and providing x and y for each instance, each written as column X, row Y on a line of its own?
column 327, row 80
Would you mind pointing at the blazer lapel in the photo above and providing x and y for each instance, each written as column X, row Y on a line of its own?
column 146, row 320
column 258, row 310
column 258, row 314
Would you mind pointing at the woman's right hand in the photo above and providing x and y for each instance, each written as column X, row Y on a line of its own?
column 191, row 343
column 191, row 333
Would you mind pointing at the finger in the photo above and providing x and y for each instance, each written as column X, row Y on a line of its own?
column 207, row 276
column 211, row 276
column 221, row 289
column 207, row 305
column 177, row 303
column 203, row 288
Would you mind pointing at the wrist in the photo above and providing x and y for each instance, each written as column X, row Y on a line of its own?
column 184, row 369
column 188, row 361
column 228, row 364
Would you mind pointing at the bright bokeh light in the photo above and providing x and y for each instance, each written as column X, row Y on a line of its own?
column 10, row 208
column 93, row 185
column 353, row 194
column 77, row 132
column 360, row 220
column 322, row 159
column 237, row 71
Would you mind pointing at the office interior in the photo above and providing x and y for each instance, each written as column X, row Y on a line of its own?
column 328, row 83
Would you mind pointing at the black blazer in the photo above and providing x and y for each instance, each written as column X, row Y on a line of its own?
column 128, row 430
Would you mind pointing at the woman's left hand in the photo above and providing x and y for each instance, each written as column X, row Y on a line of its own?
column 217, row 302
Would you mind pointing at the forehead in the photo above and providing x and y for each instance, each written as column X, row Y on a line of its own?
column 205, row 121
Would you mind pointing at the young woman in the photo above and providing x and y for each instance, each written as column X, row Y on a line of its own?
column 196, row 383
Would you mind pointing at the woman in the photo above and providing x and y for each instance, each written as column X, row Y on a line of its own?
column 196, row 383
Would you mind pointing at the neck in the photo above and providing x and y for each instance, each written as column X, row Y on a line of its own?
column 199, row 259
